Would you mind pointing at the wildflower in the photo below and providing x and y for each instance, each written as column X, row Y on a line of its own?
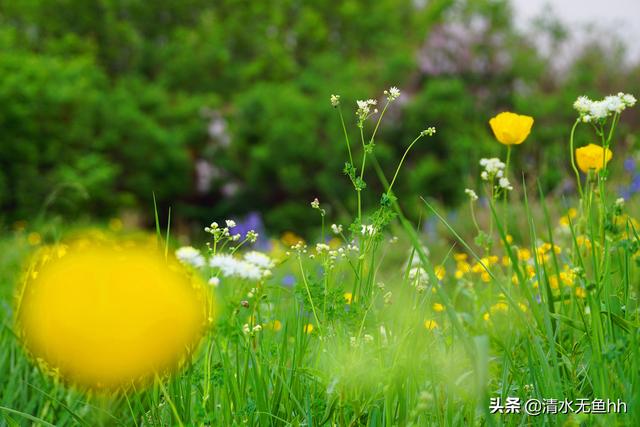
column 619, row 204
column 388, row 298
column 190, row 256
column 257, row 328
column 276, row 325
column 104, row 315
column 308, row 328
column 367, row 338
column 335, row 100
column 259, row 259
column 315, row 204
column 214, row 281
column 337, row 229
column 348, row 297
column 581, row 292
column 232, row 267
column 472, row 194
column 364, row 108
column 440, row 272
column 593, row 157
column 438, row 307
column 230, row 223
column 392, row 94
column 430, row 324
column 368, row 230
column 590, row 110
column 430, row 131
column 510, row 128
column 252, row 236
column 493, row 167
column 505, row 184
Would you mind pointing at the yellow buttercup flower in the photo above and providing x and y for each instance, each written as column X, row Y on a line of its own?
column 510, row 128
column 105, row 315
column 592, row 157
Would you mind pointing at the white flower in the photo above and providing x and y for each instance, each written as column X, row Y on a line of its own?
column 628, row 99
column 505, row 184
column 393, row 93
column 245, row 328
column 367, row 338
column 315, row 204
column 364, row 108
column 257, row 328
column 620, row 202
column 367, row 230
column 230, row 223
column 335, row 100
column 259, row 259
column 614, row 104
column 582, row 104
column 322, row 247
column 430, row 131
column 190, row 256
column 472, row 194
column 232, row 267
column 252, row 236
column 214, row 281
column 337, row 229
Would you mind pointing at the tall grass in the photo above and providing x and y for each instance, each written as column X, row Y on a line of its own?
column 372, row 329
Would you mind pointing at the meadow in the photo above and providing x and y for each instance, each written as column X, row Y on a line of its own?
column 520, row 310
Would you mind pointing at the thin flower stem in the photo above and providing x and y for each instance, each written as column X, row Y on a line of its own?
column 346, row 136
column 402, row 161
column 573, row 158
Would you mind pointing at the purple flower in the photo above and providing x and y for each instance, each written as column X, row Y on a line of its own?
column 629, row 164
column 288, row 281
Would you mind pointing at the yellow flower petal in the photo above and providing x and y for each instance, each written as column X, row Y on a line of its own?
column 105, row 316
column 510, row 128
column 592, row 157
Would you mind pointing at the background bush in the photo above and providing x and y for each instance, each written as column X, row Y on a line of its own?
column 221, row 108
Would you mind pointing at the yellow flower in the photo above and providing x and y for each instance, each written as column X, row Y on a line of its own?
column 510, row 128
column 276, row 325
column 107, row 315
column 438, row 307
column 348, row 297
column 440, row 272
column 593, row 157
column 430, row 324
column 308, row 328
column 581, row 292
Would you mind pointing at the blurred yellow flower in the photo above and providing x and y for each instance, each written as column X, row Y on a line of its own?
column 105, row 316
column 510, row 128
column 592, row 157
column 440, row 272
column 308, row 328
column 430, row 324
column 348, row 297
column 438, row 307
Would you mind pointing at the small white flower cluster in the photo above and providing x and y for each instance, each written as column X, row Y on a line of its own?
column 367, row 230
column 337, row 229
column 255, row 265
column 599, row 110
column 392, row 94
column 335, row 100
column 419, row 278
column 494, row 169
column 190, row 256
column 472, row 194
column 430, row 131
column 221, row 233
column 247, row 330
column 315, row 203
column 364, row 109
column 355, row 342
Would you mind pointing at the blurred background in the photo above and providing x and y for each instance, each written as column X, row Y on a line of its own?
column 221, row 108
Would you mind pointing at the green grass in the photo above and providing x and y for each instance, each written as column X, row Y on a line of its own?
column 528, row 309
